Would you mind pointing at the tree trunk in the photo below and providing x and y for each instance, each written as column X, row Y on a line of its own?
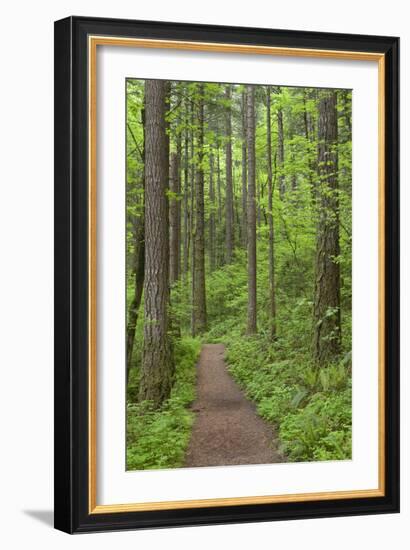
column 250, row 123
column 237, row 210
column 138, row 266
column 346, row 113
column 219, row 225
column 212, row 239
column 258, row 202
column 272, row 300
column 157, row 358
column 138, row 270
column 199, row 299
column 191, row 241
column 229, row 212
column 326, row 311
column 192, row 188
column 244, row 175
column 186, row 195
column 281, row 155
column 174, row 220
column 309, row 135
column 179, row 203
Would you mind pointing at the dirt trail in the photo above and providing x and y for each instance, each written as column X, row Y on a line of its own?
column 227, row 429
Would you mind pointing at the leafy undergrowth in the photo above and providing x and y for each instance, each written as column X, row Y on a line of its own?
column 158, row 439
column 310, row 407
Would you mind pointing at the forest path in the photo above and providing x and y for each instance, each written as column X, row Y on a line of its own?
column 227, row 429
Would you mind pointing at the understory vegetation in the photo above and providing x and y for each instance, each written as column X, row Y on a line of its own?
column 158, row 438
column 311, row 409
column 309, row 406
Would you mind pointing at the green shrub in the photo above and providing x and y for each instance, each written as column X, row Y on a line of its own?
column 319, row 431
column 311, row 407
column 158, row 439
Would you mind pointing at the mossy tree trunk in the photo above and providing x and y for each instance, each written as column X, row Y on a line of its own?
column 212, row 221
column 138, row 266
column 250, row 132
column 326, row 309
column 281, row 155
column 138, row 272
column 244, row 173
column 174, row 219
column 272, row 296
column 198, row 290
column 229, row 210
column 157, row 358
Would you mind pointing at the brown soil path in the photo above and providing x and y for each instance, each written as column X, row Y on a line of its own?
column 227, row 429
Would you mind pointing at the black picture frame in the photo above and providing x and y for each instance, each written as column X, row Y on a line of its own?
column 72, row 278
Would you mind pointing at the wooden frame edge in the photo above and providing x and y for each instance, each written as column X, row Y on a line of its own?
column 381, row 271
column 234, row 501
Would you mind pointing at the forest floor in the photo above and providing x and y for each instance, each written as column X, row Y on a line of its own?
column 227, row 429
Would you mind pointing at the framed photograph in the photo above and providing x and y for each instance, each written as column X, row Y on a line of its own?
column 226, row 274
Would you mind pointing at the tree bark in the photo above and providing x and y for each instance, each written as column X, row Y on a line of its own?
column 258, row 203
column 346, row 113
column 272, row 297
column 186, row 196
column 179, row 202
column 219, row 255
column 199, row 298
column 237, row 211
column 212, row 238
column 281, row 155
column 309, row 135
column 138, row 271
column 229, row 211
column 244, row 174
column 326, row 310
column 191, row 241
column 250, row 123
column 157, row 357
column 174, row 220
column 138, row 263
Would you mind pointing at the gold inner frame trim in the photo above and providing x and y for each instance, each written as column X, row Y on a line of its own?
column 93, row 42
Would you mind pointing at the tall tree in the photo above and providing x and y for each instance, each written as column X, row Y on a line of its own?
column 250, row 132
column 198, row 289
column 138, row 258
column 179, row 148
column 229, row 210
column 346, row 113
column 138, row 274
column 192, row 180
column 309, row 135
column 186, row 225
column 272, row 296
column 174, row 219
column 219, row 220
column 281, row 154
column 244, row 174
column 212, row 237
column 326, row 310
column 157, row 358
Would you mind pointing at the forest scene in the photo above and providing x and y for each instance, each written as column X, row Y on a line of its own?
column 239, row 287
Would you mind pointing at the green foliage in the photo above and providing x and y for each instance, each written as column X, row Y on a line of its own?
column 158, row 439
column 321, row 430
column 311, row 407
